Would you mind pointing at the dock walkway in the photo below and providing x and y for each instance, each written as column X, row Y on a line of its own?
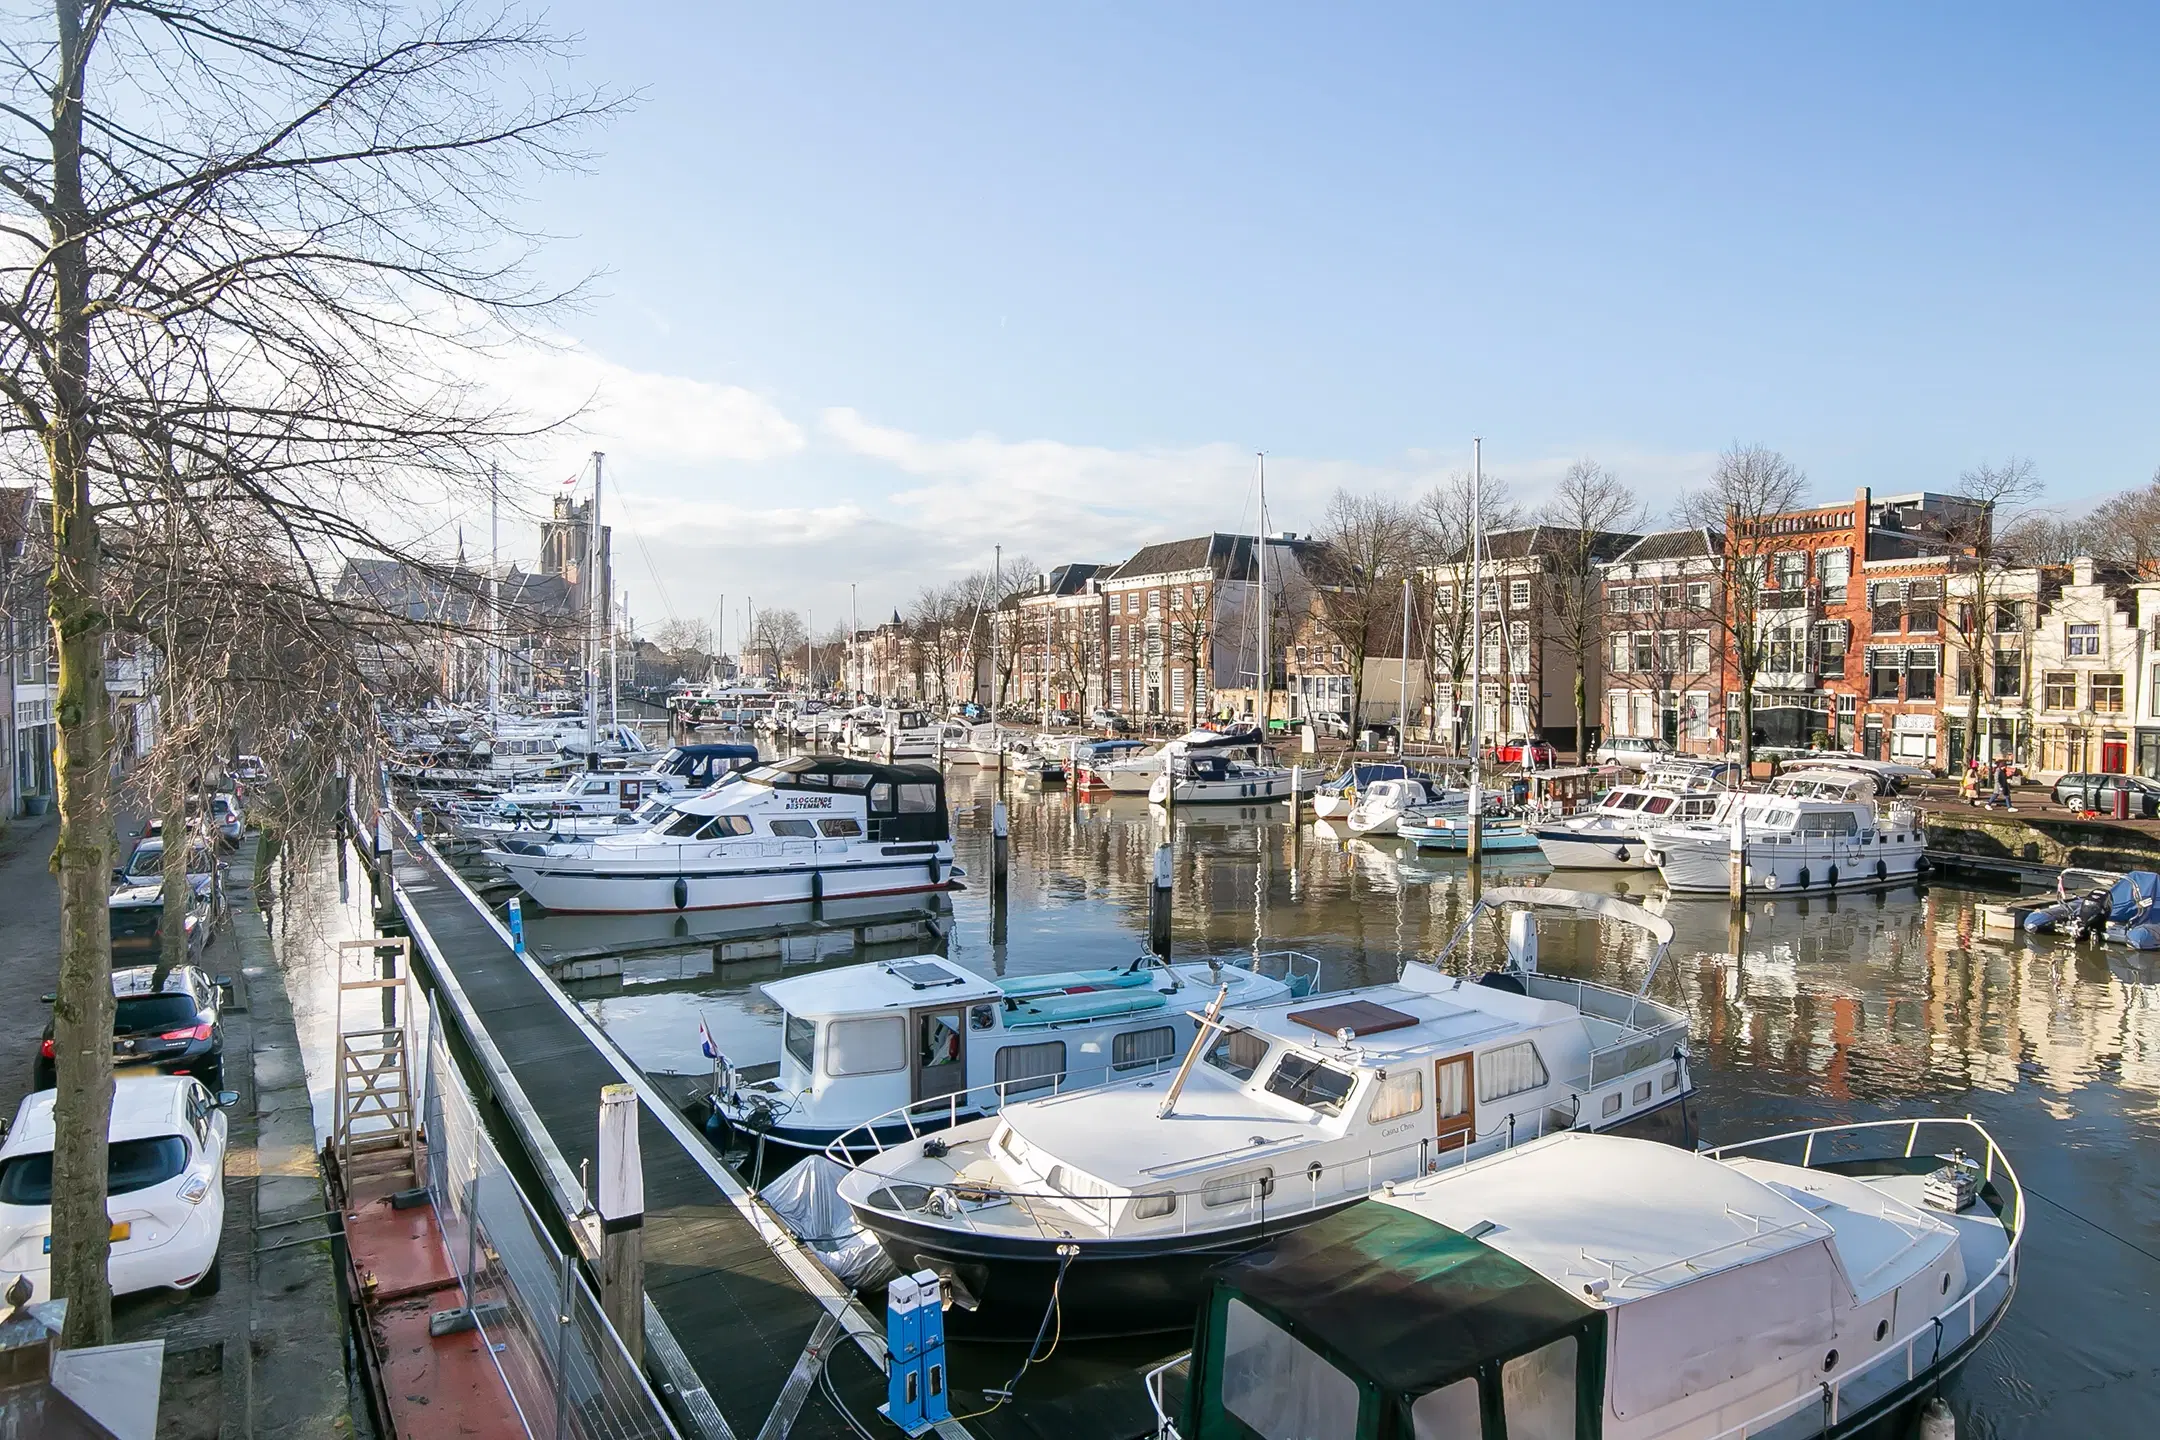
column 732, row 1302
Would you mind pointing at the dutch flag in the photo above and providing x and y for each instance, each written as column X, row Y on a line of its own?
column 712, row 1051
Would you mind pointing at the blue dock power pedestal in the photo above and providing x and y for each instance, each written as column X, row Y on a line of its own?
column 915, row 1398
column 517, row 927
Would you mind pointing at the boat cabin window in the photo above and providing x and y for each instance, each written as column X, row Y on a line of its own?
column 1449, row 1413
column 596, row 787
column 1239, row 1052
column 875, row 1046
column 721, row 826
column 685, row 824
column 1311, row 1083
column 799, row 1035
column 1830, row 822
column 1509, row 1070
column 1537, row 1392
column 793, row 827
column 1657, row 804
column 918, row 799
column 1400, row 1093
column 1020, row 1068
column 840, row 829
column 1628, row 802
column 1247, row 1187
column 1136, row 1048
column 851, row 782
column 1280, row 1387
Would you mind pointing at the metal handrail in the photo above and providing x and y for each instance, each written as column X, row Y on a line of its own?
column 1832, row 1392
column 1153, row 1380
column 997, row 1092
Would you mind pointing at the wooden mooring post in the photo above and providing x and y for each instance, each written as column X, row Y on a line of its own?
column 621, row 1203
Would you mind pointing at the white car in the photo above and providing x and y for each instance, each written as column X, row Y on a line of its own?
column 1636, row 752
column 166, row 1179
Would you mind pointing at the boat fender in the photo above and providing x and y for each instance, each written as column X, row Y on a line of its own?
column 1936, row 1422
column 1830, row 877
column 1803, row 877
column 817, row 885
column 1621, row 855
column 1882, row 870
column 1770, row 881
column 682, row 893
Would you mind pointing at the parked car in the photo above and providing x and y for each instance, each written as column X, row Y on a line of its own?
column 2097, row 792
column 1534, row 753
column 1331, row 723
column 164, row 1177
column 136, row 914
column 1109, row 720
column 179, row 1030
column 146, row 862
column 225, row 818
column 1636, row 752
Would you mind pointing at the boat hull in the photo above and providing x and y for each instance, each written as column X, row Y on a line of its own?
column 654, row 891
column 1457, row 841
column 1327, row 807
column 1244, row 791
column 1119, row 1287
column 1592, row 850
column 1698, row 868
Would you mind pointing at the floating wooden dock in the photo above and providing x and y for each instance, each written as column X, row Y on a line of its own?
column 738, row 1315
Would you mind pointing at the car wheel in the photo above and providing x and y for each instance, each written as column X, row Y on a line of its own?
column 213, row 1279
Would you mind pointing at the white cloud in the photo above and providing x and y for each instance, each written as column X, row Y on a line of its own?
column 641, row 415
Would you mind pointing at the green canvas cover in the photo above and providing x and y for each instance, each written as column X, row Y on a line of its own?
column 1399, row 1302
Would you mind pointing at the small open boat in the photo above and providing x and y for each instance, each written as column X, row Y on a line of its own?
column 1452, row 832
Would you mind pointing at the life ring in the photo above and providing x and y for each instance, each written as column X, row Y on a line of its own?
column 1803, row 877
column 1770, row 881
column 1882, row 870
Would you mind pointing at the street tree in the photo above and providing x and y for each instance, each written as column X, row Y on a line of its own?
column 267, row 239
column 1442, row 535
column 1591, row 517
column 1750, row 486
column 1365, row 546
column 1999, row 496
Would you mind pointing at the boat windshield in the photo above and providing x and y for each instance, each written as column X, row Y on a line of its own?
column 1238, row 1053
column 1312, row 1083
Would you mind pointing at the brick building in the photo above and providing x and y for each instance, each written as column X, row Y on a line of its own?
column 1664, row 654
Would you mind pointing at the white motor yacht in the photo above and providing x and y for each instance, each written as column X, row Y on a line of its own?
column 1209, row 778
column 1387, row 803
column 604, row 794
column 1296, row 1110
column 799, row 829
column 1135, row 773
column 888, row 1052
column 1815, row 830
column 1609, row 836
column 1822, row 1283
column 893, row 734
column 1338, row 795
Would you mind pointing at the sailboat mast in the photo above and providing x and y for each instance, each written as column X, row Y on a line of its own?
column 1476, row 808
column 1267, row 671
column 596, row 603
column 494, row 657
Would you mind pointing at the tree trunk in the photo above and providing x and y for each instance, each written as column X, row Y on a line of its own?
column 82, row 858
column 172, row 923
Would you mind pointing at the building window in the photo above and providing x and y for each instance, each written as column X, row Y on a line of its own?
column 1923, row 609
column 1616, row 599
column 2009, row 668
column 1668, row 650
column 1698, row 595
column 1645, row 655
column 1920, row 674
column 1833, row 568
column 1177, row 600
column 2107, row 694
column 1792, row 567
column 2152, row 694
column 1519, row 594
column 1645, row 598
column 1884, row 609
column 1620, row 652
column 1882, row 675
column 1830, row 644
column 1698, row 654
column 2082, row 640
column 2058, row 690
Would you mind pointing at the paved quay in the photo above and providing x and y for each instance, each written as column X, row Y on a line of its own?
column 264, row 1357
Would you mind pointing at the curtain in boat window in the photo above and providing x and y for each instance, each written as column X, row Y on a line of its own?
column 1142, row 1047
column 1278, row 1385
column 1452, row 1080
column 1030, row 1067
column 865, row 1047
column 1401, row 1093
column 1509, row 1070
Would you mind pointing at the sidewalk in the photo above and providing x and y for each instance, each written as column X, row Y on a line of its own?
column 264, row 1357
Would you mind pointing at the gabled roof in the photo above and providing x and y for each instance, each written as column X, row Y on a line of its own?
column 1554, row 540
column 1228, row 557
column 1698, row 542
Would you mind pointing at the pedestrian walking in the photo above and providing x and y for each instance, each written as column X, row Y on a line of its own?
column 1969, row 783
column 2002, row 787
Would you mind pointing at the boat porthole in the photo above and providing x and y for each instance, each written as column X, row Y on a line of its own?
column 1946, row 1282
column 1882, row 1331
column 1829, row 1361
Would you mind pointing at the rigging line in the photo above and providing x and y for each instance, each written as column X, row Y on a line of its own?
column 2119, row 1239
column 622, row 495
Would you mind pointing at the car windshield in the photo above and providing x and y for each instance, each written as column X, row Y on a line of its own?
column 136, row 1014
column 130, row 1165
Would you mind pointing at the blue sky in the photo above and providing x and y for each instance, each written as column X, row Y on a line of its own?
column 887, row 285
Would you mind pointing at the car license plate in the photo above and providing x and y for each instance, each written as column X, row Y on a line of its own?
column 120, row 1231
column 124, row 1070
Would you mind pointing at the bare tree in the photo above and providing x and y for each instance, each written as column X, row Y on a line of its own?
column 1590, row 511
column 1442, row 535
column 1366, row 545
column 778, row 635
column 1998, row 496
column 1750, row 487
column 257, row 237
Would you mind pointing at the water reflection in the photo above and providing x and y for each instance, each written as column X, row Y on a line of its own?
column 1802, row 1011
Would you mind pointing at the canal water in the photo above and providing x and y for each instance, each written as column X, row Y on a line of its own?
column 1855, row 1008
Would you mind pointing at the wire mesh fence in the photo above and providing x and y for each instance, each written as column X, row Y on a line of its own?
column 567, row 1370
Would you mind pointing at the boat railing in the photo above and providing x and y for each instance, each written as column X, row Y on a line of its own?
column 1156, row 1381
column 1654, row 1030
column 1907, row 1358
column 1249, row 1194
column 942, row 1112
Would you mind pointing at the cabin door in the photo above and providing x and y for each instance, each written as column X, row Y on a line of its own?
column 633, row 791
column 940, row 1052
column 1454, row 1105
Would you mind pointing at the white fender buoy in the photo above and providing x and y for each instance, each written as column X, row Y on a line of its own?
column 1936, row 1421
